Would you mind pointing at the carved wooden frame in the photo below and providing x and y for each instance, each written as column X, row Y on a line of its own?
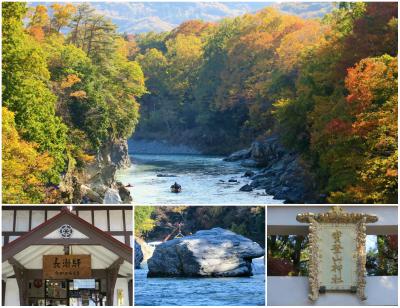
column 336, row 215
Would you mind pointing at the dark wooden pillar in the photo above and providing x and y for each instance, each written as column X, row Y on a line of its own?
column 112, row 275
column 130, row 290
column 21, row 274
column 3, row 292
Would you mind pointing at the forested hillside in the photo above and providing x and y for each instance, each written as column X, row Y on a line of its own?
column 73, row 89
column 65, row 96
column 139, row 17
column 327, row 87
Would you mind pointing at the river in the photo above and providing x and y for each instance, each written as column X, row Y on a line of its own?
column 236, row 291
column 204, row 180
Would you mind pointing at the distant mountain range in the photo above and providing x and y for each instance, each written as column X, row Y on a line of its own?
column 139, row 17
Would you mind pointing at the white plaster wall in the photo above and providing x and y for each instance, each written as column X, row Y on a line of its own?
column 51, row 214
column 122, row 283
column 86, row 215
column 116, row 222
column 100, row 220
column 7, row 220
column 293, row 291
column 22, row 221
column 56, row 234
column 12, row 292
column 12, row 238
column 37, row 218
column 128, row 220
column 120, row 238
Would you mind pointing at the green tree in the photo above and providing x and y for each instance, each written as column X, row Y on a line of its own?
column 26, row 92
column 143, row 220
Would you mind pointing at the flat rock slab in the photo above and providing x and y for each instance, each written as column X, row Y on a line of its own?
column 207, row 253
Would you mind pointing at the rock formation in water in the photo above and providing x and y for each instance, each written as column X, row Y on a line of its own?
column 138, row 254
column 207, row 253
column 282, row 173
column 95, row 182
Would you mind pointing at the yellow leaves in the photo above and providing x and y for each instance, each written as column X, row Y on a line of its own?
column 295, row 43
column 39, row 18
column 69, row 81
column 391, row 172
column 37, row 33
column 62, row 14
column 78, row 94
column 86, row 158
column 185, row 47
column 23, row 166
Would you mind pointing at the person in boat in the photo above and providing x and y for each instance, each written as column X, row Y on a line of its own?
column 176, row 188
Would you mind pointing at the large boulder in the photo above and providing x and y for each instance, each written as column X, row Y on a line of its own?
column 138, row 254
column 112, row 197
column 207, row 253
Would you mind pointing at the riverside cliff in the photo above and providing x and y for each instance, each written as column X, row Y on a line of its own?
column 95, row 182
column 281, row 172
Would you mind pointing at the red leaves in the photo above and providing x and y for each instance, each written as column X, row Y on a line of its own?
column 338, row 126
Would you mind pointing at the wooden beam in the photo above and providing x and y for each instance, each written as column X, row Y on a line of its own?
column 32, row 274
column 3, row 292
column 130, row 292
column 97, row 237
column 112, row 275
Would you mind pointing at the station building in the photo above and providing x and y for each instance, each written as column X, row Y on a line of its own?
column 69, row 256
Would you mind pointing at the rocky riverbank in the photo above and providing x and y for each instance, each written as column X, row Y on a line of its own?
column 143, row 252
column 95, row 182
column 281, row 172
column 207, row 253
column 138, row 254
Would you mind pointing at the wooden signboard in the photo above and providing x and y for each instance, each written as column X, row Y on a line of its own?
column 67, row 267
column 337, row 253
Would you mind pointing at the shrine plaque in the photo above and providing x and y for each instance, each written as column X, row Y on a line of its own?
column 67, row 267
column 337, row 253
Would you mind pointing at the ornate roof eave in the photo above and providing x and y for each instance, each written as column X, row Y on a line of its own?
column 336, row 215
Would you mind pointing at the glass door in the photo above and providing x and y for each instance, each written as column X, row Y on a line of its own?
column 56, row 293
column 85, row 292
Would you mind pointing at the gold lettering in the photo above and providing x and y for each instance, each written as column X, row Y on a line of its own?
column 337, row 258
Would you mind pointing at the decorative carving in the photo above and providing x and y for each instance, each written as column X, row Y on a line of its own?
column 66, row 231
column 336, row 219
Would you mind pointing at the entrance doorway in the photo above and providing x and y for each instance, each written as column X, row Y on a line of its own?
column 77, row 292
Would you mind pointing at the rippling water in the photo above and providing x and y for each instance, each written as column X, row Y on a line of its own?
column 239, row 291
column 200, row 176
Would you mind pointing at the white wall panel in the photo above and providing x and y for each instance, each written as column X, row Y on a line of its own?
column 12, row 293
column 100, row 220
column 7, row 220
column 86, row 215
column 116, row 222
column 37, row 218
column 22, row 220
column 128, row 220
